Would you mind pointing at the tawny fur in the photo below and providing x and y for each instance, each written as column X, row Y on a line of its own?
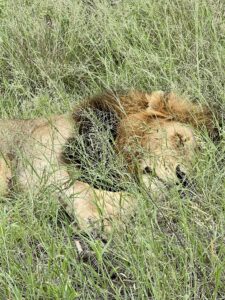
column 153, row 131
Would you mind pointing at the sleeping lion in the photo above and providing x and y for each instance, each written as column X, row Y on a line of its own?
column 154, row 134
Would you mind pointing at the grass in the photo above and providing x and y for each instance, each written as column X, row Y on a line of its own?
column 54, row 53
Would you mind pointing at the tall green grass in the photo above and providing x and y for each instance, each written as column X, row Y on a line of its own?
column 54, row 53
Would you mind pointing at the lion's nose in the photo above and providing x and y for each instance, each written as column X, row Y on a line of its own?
column 182, row 177
column 147, row 170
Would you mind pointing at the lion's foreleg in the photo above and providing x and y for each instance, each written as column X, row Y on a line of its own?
column 92, row 207
column 89, row 206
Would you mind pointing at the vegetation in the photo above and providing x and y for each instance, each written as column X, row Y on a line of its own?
column 54, row 53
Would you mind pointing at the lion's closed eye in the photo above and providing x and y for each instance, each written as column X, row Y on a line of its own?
column 180, row 140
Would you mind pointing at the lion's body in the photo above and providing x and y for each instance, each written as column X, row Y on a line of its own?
column 162, row 125
column 31, row 152
column 38, row 141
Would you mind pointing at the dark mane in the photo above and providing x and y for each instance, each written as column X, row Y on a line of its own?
column 92, row 148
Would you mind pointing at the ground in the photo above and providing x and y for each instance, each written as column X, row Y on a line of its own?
column 54, row 53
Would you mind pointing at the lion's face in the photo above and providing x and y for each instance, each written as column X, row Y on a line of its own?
column 159, row 142
column 168, row 153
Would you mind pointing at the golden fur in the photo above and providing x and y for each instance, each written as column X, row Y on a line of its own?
column 154, row 132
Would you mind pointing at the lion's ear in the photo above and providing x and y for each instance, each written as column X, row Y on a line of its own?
column 177, row 108
column 173, row 105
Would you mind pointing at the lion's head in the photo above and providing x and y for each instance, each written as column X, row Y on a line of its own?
column 154, row 132
column 160, row 142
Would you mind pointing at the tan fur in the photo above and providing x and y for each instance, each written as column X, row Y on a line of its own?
column 155, row 131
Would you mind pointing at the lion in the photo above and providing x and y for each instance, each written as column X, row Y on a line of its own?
column 154, row 133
